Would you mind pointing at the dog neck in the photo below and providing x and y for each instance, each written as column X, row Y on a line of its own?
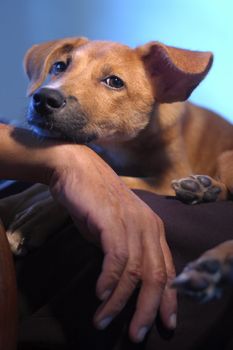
column 154, row 150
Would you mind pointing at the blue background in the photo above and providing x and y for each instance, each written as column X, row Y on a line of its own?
column 196, row 24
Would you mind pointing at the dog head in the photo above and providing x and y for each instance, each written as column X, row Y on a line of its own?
column 83, row 90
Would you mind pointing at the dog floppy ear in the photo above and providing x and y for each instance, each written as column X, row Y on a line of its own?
column 174, row 72
column 38, row 59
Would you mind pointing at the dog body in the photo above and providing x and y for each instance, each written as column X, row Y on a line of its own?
column 130, row 106
column 181, row 147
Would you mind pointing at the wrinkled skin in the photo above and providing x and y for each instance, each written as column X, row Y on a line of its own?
column 130, row 234
column 107, row 212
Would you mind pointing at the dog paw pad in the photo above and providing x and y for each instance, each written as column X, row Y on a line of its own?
column 205, row 279
column 210, row 266
column 190, row 185
column 196, row 189
column 199, row 282
column 204, row 180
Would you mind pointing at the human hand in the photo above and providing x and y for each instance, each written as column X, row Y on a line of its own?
column 130, row 234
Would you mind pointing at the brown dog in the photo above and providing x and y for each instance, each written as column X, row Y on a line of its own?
column 128, row 105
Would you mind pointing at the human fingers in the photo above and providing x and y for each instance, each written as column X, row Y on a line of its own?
column 128, row 276
column 112, row 269
column 153, row 283
column 168, row 306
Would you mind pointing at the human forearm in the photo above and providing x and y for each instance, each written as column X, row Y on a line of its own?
column 25, row 157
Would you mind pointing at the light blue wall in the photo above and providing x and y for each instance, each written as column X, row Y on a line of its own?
column 195, row 24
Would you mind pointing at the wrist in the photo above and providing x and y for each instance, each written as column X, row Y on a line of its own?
column 68, row 161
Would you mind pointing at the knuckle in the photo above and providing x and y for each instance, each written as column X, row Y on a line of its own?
column 119, row 257
column 157, row 278
column 171, row 274
column 115, row 262
column 134, row 273
column 154, row 221
column 109, row 278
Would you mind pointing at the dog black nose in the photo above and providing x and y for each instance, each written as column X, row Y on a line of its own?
column 47, row 100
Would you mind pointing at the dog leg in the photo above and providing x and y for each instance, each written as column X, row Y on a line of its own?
column 225, row 169
column 199, row 188
column 205, row 278
column 148, row 184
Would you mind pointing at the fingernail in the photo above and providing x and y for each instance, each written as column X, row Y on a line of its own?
column 173, row 321
column 104, row 323
column 105, row 294
column 141, row 333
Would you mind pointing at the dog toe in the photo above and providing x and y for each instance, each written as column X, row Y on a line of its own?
column 187, row 190
column 194, row 285
column 210, row 266
column 204, row 279
column 197, row 188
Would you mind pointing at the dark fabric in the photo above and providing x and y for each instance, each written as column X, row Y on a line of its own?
column 57, row 288
column 8, row 188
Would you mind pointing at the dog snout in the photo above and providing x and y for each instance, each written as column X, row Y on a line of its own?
column 47, row 101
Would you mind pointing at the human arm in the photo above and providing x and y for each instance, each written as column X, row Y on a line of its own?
column 130, row 234
column 23, row 157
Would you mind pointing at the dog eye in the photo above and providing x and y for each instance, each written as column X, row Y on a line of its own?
column 114, row 82
column 58, row 67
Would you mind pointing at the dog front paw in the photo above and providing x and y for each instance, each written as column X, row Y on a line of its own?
column 199, row 188
column 205, row 278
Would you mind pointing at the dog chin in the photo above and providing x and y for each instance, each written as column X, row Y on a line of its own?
column 51, row 134
column 45, row 133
